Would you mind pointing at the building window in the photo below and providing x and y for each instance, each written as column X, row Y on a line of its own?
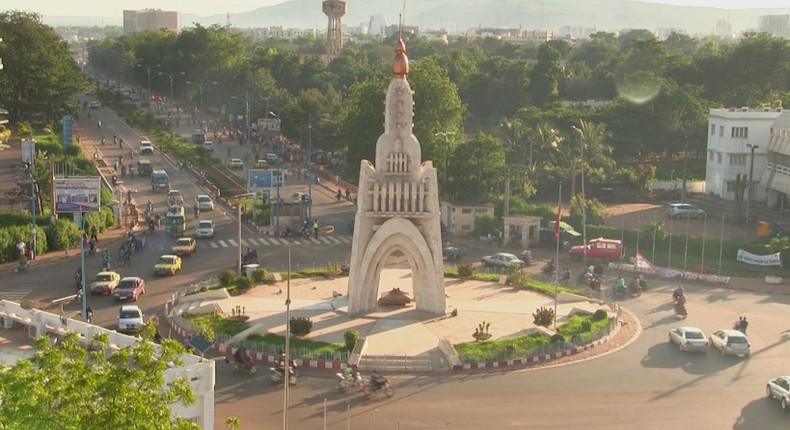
column 718, row 156
column 737, row 159
column 721, row 131
column 712, row 129
column 730, row 186
column 742, row 132
column 481, row 211
column 710, row 155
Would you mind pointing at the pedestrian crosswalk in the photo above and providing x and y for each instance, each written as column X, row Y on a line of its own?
column 17, row 292
column 276, row 241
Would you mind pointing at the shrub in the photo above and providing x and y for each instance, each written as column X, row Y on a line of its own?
column 332, row 269
column 226, row 277
column 243, row 283
column 586, row 325
column 543, row 316
column 259, row 275
column 556, row 338
column 301, row 326
column 62, row 233
column 465, row 268
column 600, row 314
column 351, row 337
column 516, row 276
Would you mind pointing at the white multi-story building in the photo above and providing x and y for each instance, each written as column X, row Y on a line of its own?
column 732, row 133
column 776, row 177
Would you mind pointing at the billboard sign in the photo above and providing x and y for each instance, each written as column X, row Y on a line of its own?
column 271, row 125
column 265, row 178
column 77, row 194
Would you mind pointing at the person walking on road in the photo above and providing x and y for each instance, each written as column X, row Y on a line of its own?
column 315, row 228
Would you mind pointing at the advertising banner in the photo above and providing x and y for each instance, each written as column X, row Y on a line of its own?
column 77, row 194
column 759, row 260
column 265, row 178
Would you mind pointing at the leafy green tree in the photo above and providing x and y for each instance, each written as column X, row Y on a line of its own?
column 592, row 138
column 40, row 82
column 477, row 168
column 66, row 386
column 545, row 76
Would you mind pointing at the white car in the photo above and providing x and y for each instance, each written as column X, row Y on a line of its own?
column 731, row 342
column 204, row 203
column 208, row 145
column 205, row 229
column 689, row 339
column 502, row 259
column 779, row 388
column 146, row 147
column 130, row 319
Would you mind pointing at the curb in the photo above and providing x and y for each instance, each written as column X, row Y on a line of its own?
column 264, row 358
column 525, row 361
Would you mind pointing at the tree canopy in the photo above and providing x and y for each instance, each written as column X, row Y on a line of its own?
column 66, row 386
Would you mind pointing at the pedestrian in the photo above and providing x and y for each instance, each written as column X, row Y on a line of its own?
column 315, row 228
column 115, row 166
column 103, row 140
column 338, row 194
column 348, row 193
column 743, row 325
column 114, row 139
column 94, row 234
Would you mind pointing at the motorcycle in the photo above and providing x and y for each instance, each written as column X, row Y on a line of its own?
column 618, row 289
column 678, row 296
column 276, row 375
column 350, row 379
column 242, row 363
column 549, row 268
column 379, row 385
column 21, row 266
column 635, row 288
column 250, row 257
column 680, row 308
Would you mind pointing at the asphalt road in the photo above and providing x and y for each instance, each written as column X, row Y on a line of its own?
column 646, row 385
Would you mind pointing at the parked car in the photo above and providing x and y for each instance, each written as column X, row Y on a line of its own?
column 205, row 229
column 105, row 283
column 146, row 147
column 95, row 105
column 605, row 249
column 730, row 342
column 204, row 202
column 184, row 246
column 130, row 288
column 300, row 198
column 130, row 319
column 454, row 252
column 272, row 158
column 235, row 163
column 779, row 389
column 208, row 145
column 167, row 264
column 261, row 164
column 689, row 339
column 502, row 259
column 684, row 210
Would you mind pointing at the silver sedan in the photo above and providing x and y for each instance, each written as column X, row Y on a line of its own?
column 689, row 339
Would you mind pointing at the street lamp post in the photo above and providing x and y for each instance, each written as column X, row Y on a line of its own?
column 751, row 181
column 310, row 177
column 287, row 359
column 171, row 76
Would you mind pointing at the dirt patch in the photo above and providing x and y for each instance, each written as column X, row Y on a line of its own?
column 631, row 216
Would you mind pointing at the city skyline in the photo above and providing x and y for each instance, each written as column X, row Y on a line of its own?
column 90, row 8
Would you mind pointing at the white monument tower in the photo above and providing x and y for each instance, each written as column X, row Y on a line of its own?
column 397, row 207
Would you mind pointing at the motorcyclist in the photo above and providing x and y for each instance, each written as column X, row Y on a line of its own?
column 566, row 275
column 105, row 259
column 197, row 212
column 89, row 314
column 376, row 380
column 550, row 267
column 679, row 294
column 619, row 284
column 150, row 206
column 242, row 358
column 281, row 365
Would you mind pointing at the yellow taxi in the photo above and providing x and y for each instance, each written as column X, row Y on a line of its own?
column 167, row 265
column 261, row 164
column 185, row 247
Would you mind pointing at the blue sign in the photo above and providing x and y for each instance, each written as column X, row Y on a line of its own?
column 260, row 178
column 68, row 123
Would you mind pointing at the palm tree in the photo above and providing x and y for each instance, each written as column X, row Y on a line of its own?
column 596, row 152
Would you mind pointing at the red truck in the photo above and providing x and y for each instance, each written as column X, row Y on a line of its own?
column 605, row 249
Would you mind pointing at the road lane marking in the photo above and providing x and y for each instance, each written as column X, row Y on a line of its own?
column 253, row 242
column 233, row 243
column 223, row 244
column 214, row 245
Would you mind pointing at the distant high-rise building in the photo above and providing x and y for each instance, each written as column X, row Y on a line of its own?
column 777, row 25
column 723, row 28
column 334, row 10
column 151, row 19
column 377, row 25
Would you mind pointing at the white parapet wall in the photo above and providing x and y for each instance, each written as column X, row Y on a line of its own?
column 199, row 372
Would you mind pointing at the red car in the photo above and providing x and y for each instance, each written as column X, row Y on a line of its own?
column 130, row 288
column 605, row 249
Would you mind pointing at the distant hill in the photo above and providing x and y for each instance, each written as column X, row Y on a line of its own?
column 459, row 15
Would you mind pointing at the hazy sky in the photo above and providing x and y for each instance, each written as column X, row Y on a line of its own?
column 114, row 8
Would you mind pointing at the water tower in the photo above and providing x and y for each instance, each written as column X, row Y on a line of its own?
column 334, row 9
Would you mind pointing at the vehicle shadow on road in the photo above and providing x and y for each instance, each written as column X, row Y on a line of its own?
column 667, row 356
column 761, row 413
